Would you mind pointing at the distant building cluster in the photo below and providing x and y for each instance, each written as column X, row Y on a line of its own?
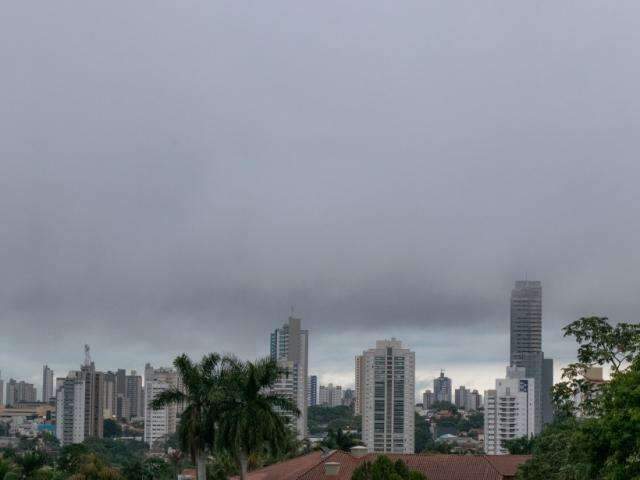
column 75, row 406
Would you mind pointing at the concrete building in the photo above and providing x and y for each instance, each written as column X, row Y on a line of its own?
column 47, row 384
column 460, row 396
column 313, row 390
column 473, row 401
column 526, row 346
column 290, row 347
column 17, row 392
column 348, row 397
column 388, row 377
column 1, row 390
column 509, row 410
column 134, row 395
column 158, row 424
column 442, row 388
column 70, row 414
column 428, row 398
column 359, row 385
column 109, row 400
column 330, row 395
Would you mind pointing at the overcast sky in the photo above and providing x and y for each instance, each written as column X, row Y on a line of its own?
column 174, row 175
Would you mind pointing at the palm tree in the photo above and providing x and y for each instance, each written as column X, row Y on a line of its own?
column 253, row 420
column 200, row 396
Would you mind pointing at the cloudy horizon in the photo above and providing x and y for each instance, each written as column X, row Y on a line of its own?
column 176, row 175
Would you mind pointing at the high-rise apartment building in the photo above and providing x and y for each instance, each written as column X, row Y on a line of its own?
column 109, row 395
column 428, row 398
column 442, row 388
column 473, row 401
column 80, row 404
column 290, row 347
column 313, row 390
column 21, row 391
column 509, row 410
column 1, row 390
column 460, row 395
column 158, row 424
column 134, row 395
column 359, row 384
column 47, row 384
column 388, row 377
column 526, row 346
column 330, row 395
column 348, row 397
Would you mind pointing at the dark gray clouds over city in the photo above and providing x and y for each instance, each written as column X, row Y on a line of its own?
column 174, row 175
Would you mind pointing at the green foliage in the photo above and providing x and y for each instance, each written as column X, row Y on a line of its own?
column 321, row 419
column 384, row 469
column 149, row 469
column 519, row 446
column 339, row 440
column 438, row 406
column 29, row 462
column 6, row 467
column 600, row 344
column 112, row 428
column 605, row 446
column 253, row 420
column 423, row 436
column 116, row 452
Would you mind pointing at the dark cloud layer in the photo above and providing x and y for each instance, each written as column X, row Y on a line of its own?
column 175, row 175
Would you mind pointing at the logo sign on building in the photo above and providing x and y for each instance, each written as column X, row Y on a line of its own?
column 524, row 386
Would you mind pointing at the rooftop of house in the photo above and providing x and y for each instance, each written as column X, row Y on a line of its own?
column 434, row 467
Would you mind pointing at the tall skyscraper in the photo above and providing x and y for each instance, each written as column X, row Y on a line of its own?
column 509, row 410
column 526, row 346
column 47, row 384
column 290, row 347
column 460, row 395
column 388, row 398
column 359, row 384
column 442, row 388
column 134, row 395
column 162, row 422
column 80, row 404
column 313, row 390
column 1, row 390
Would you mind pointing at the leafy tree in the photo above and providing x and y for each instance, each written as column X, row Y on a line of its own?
column 444, row 406
column 29, row 462
column 148, row 469
column 339, row 440
column 6, row 467
column 71, row 456
column 422, row 434
column 600, row 344
column 604, row 445
column 519, row 446
column 93, row 467
column 201, row 396
column 384, row 469
column 116, row 452
column 253, row 419
column 322, row 418
column 111, row 428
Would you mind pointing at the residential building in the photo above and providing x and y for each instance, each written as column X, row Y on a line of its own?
column 348, row 397
column 47, row 384
column 460, row 396
column 290, row 347
column 359, row 385
column 17, row 392
column 473, row 401
column 330, row 395
column 1, row 390
column 158, row 424
column 313, row 390
column 109, row 400
column 388, row 399
column 134, row 395
column 442, row 388
column 526, row 346
column 428, row 398
column 509, row 410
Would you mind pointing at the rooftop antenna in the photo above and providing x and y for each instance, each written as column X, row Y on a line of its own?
column 87, row 355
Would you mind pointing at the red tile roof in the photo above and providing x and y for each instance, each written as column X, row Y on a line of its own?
column 435, row 467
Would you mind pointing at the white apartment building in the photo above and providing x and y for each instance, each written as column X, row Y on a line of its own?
column 158, row 424
column 70, row 409
column 388, row 384
column 509, row 410
column 330, row 395
column 290, row 347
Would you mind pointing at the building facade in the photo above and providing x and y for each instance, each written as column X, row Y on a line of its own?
column 313, row 390
column 47, row 384
column 388, row 421
column 18, row 392
column 134, row 395
column 70, row 414
column 428, row 398
column 359, row 385
column 442, row 388
column 526, row 346
column 158, row 424
column 290, row 348
column 330, row 395
column 509, row 410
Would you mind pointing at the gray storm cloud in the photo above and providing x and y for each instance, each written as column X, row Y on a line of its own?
column 175, row 175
